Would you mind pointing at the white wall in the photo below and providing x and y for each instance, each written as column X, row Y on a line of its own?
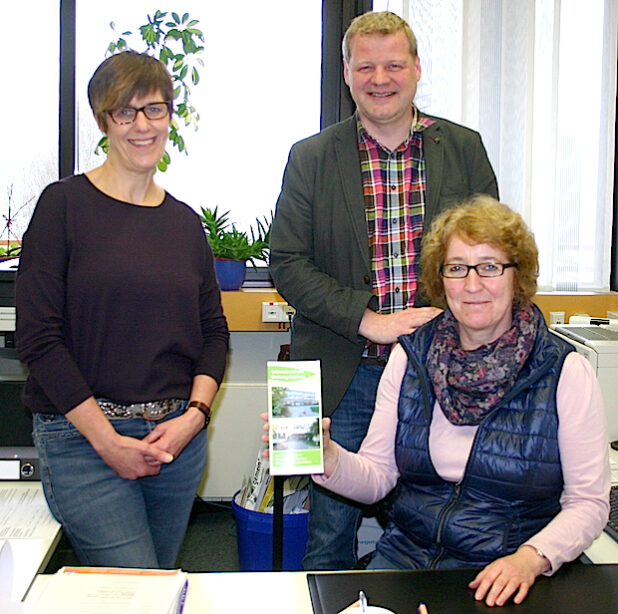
column 235, row 429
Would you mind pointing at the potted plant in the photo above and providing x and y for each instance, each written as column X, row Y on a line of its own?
column 233, row 248
column 10, row 242
column 10, row 250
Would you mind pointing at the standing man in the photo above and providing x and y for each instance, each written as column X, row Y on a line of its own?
column 345, row 242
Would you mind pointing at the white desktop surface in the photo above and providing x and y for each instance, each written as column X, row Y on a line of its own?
column 251, row 592
column 28, row 537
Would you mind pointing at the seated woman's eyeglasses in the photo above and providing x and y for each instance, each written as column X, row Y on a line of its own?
column 483, row 269
column 127, row 115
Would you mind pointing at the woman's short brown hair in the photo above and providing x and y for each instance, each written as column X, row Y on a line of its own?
column 480, row 219
column 125, row 75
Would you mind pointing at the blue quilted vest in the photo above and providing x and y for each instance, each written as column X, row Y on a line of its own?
column 513, row 479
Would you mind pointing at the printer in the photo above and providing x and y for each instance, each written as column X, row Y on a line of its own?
column 599, row 344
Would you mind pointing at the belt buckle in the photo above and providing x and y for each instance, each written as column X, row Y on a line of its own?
column 153, row 411
column 157, row 410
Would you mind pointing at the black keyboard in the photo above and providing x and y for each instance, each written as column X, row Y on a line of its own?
column 612, row 525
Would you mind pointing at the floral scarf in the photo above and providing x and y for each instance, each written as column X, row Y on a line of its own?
column 469, row 384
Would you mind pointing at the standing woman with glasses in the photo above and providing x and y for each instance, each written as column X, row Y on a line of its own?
column 490, row 428
column 121, row 327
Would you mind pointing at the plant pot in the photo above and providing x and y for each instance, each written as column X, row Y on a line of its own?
column 230, row 273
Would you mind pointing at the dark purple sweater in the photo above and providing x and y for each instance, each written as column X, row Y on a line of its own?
column 115, row 300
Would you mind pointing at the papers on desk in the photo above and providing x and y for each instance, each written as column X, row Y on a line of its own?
column 27, row 533
column 20, row 561
column 24, row 513
column 101, row 590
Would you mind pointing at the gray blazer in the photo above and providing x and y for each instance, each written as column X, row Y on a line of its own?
column 319, row 252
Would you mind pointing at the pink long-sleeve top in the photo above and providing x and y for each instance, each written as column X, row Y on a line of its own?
column 582, row 438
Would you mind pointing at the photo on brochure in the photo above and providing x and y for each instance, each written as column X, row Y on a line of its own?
column 295, row 417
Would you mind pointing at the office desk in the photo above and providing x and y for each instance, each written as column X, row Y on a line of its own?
column 288, row 592
column 575, row 588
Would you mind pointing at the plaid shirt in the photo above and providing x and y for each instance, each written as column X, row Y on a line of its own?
column 394, row 188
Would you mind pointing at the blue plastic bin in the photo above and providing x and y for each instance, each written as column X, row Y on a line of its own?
column 254, row 531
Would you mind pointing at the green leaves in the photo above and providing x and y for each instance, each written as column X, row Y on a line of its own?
column 164, row 162
column 102, row 145
column 11, row 250
column 227, row 242
column 178, row 43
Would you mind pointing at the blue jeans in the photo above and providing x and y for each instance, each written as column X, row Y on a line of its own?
column 334, row 520
column 112, row 521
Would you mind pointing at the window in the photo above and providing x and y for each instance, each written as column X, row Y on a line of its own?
column 538, row 80
column 29, row 155
column 259, row 92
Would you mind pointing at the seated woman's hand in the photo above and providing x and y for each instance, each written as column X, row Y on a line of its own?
column 510, row 575
column 331, row 451
column 265, row 437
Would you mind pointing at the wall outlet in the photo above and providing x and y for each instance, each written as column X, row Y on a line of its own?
column 276, row 312
column 556, row 317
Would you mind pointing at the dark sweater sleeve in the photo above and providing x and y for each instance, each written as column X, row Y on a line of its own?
column 40, row 301
column 214, row 324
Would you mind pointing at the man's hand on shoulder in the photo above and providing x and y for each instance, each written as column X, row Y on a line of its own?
column 386, row 328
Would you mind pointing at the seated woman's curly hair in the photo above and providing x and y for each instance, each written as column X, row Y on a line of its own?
column 480, row 219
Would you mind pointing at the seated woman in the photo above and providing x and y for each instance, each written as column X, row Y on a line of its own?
column 491, row 428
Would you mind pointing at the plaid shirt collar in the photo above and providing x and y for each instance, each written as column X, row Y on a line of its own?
column 419, row 123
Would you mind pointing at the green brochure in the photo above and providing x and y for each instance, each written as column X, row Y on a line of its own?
column 295, row 417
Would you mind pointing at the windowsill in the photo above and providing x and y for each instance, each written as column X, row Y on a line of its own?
column 579, row 293
column 243, row 308
column 585, row 303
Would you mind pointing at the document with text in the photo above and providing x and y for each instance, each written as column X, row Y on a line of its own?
column 100, row 590
column 295, row 417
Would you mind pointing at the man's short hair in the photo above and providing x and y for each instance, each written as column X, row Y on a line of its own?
column 384, row 23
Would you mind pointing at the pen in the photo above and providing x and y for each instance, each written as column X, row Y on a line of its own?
column 363, row 601
column 181, row 599
column 422, row 608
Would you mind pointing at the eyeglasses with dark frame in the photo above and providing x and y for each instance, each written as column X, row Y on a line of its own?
column 483, row 269
column 127, row 115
